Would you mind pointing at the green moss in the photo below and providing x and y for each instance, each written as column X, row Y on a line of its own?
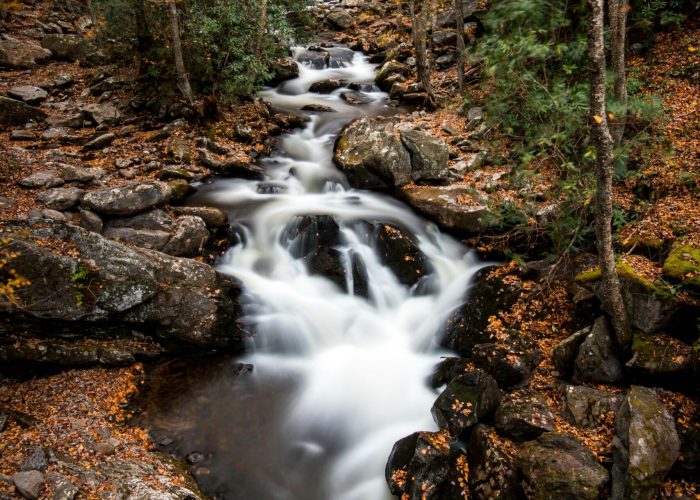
column 624, row 271
column 683, row 263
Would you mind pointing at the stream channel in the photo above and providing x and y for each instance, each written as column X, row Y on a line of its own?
column 339, row 371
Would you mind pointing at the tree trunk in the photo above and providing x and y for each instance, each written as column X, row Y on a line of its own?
column 459, row 26
column 262, row 26
column 610, row 282
column 183, row 82
column 618, row 27
column 419, row 38
column 144, row 40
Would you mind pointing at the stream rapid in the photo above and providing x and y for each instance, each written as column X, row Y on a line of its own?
column 338, row 376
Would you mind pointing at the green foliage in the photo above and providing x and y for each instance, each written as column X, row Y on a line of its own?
column 79, row 279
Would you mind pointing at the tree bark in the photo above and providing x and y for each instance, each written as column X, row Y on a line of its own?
column 183, row 82
column 618, row 37
column 612, row 294
column 419, row 38
column 459, row 25
column 144, row 40
column 262, row 26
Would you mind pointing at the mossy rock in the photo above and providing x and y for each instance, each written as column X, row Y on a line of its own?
column 683, row 264
column 624, row 271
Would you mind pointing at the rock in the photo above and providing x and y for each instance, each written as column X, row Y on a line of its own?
column 418, row 465
column 61, row 198
column 318, row 108
column 659, row 358
column 153, row 220
column 339, row 19
column 524, row 415
column 565, row 353
column 326, row 86
column 444, row 39
column 231, row 163
column 429, row 156
column 128, row 199
column 486, row 296
column 453, row 207
column 446, row 370
column 143, row 238
column 511, row 362
column 36, row 460
column 105, row 447
column 91, row 221
column 180, row 189
column 29, row 483
column 445, row 61
column 475, row 117
column 370, row 153
column 556, row 465
column 189, row 237
column 596, row 360
column 19, row 54
column 72, row 121
column 645, row 447
column 468, row 399
column 99, row 142
column 101, row 114
column 492, row 468
column 63, row 47
column 398, row 251
column 683, row 264
column 391, row 72
column 180, row 299
column 109, row 84
column 586, row 407
column 355, row 98
column 71, row 173
column 282, row 69
column 23, row 135
column 14, row 112
column 212, row 217
column 28, row 94
column 61, row 487
column 50, row 214
column 315, row 57
column 63, row 135
column 43, row 179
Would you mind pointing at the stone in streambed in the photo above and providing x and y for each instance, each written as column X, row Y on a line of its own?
column 128, row 199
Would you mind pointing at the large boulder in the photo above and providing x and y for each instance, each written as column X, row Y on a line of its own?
column 189, row 237
column 597, row 360
column 467, row 400
column 586, row 407
column 492, row 467
column 339, row 19
column 660, row 358
column 28, row 93
column 14, row 112
column 61, row 198
column 645, row 447
column 79, row 275
column 66, row 47
column 556, row 465
column 524, row 415
column 400, row 252
column 370, row 153
column 129, row 199
column 390, row 73
column 511, row 362
column 21, row 54
column 683, row 264
column 101, row 113
column 429, row 156
column 564, row 355
column 282, row 69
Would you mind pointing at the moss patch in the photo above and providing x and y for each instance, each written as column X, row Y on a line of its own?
column 683, row 263
column 624, row 271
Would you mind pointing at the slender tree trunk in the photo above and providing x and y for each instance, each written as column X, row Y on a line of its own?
column 183, row 82
column 144, row 40
column 459, row 20
column 610, row 282
column 618, row 35
column 262, row 26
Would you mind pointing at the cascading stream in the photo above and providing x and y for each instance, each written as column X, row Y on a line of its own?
column 339, row 376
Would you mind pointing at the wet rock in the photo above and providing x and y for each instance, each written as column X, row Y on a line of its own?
column 91, row 221
column 65, row 47
column 128, row 199
column 556, row 465
column 487, row 295
column 282, row 69
column 339, row 19
column 99, row 142
column 35, row 460
column 418, row 465
column 14, row 112
column 61, row 487
column 355, row 98
column 189, row 237
column 524, row 415
column 453, row 207
column 400, row 252
column 43, row 179
column 60, row 198
column 596, row 360
column 28, row 93
column 645, row 446
column 212, row 217
column 492, row 468
column 586, row 407
column 326, row 86
column 468, row 399
column 195, row 457
column 565, row 353
column 511, row 362
column 446, row 370
column 231, row 163
column 391, row 72
column 318, row 108
column 21, row 54
column 29, row 483
column 315, row 57
column 429, row 156
column 102, row 114
column 370, row 153
column 180, row 189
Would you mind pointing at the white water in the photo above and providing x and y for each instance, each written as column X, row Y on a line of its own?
column 359, row 365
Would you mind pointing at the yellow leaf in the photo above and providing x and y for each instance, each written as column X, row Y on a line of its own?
column 692, row 49
column 598, row 119
column 611, row 116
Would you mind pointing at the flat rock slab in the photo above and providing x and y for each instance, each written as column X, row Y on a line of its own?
column 28, row 94
column 14, row 112
column 129, row 199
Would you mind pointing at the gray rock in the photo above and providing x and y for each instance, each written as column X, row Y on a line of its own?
column 36, row 460
column 326, row 86
column 144, row 238
column 339, row 19
column 102, row 114
column 63, row 135
column 128, row 199
column 556, row 465
column 61, row 487
column 189, row 238
column 61, row 198
column 71, row 173
column 565, row 353
column 596, row 360
column 390, row 73
column 429, row 156
column 14, row 112
column 645, row 447
column 43, row 179
column 28, row 94
column 318, row 108
column 370, row 153
column 586, row 407
column 108, row 447
column 100, row 142
column 91, row 221
column 72, row 120
column 66, row 47
column 524, row 415
column 355, row 98
column 282, row 69
column 657, row 356
column 152, row 220
column 19, row 54
column 53, row 215
column 212, row 217
column 492, row 468
column 23, row 135
column 29, row 483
